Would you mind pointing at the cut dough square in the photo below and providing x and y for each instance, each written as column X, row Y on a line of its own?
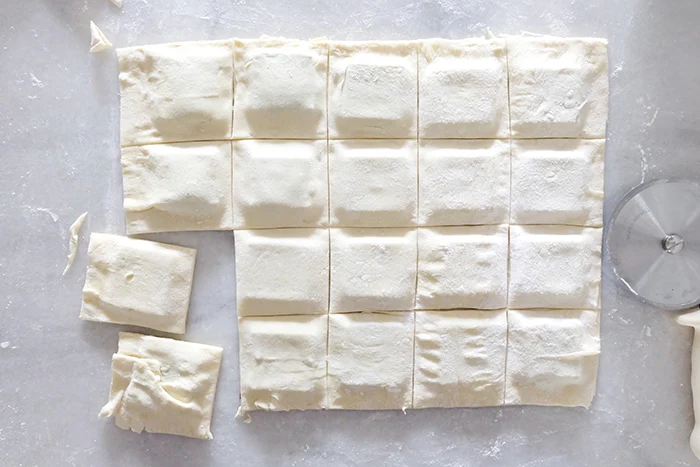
column 138, row 282
column 372, row 90
column 463, row 89
column 554, row 266
column 177, row 186
column 373, row 183
column 558, row 87
column 462, row 267
column 280, row 183
column 460, row 358
column 176, row 92
column 552, row 357
column 283, row 362
column 463, row 182
column 163, row 386
column 282, row 272
column 280, row 89
column 370, row 361
column 372, row 269
column 557, row 181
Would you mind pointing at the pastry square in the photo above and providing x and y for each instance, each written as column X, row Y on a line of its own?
column 460, row 358
column 176, row 92
column 463, row 89
column 177, row 186
column 373, row 183
column 370, row 361
column 163, row 386
column 558, row 87
column 280, row 183
column 138, row 282
column 372, row 269
column 463, row 182
column 462, row 267
column 372, row 90
column 283, row 362
column 282, row 272
column 552, row 357
column 557, row 181
column 554, row 266
column 280, row 88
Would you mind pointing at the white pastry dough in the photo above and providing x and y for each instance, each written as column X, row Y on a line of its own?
column 138, row 282
column 176, row 92
column 462, row 267
column 554, row 267
column 280, row 183
column 463, row 182
column 552, row 357
column 283, row 362
column 98, row 41
column 280, row 88
column 177, row 186
column 372, row 269
column 163, row 386
column 282, row 272
column 372, row 90
column 460, row 358
column 373, row 183
column 557, row 181
column 463, row 89
column 73, row 244
column 558, row 87
column 370, row 361
column 117, row 3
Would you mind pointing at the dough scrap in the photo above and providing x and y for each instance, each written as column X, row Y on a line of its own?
column 370, row 361
column 463, row 182
column 177, row 186
column 462, row 267
column 282, row 272
column 73, row 244
column 460, row 358
column 280, row 183
column 98, row 41
column 163, row 386
column 176, row 92
column 372, row 269
column 554, row 267
column 138, row 282
column 283, row 362
column 552, row 357
column 463, row 89
column 372, row 90
column 117, row 3
column 557, row 182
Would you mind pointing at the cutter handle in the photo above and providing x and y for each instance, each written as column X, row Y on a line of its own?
column 693, row 319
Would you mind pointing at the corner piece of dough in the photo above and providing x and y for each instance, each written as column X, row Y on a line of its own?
column 73, row 244
column 98, row 41
column 117, row 3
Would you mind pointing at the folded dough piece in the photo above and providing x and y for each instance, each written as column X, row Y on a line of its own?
column 73, row 244
column 98, row 41
column 138, row 282
column 163, row 386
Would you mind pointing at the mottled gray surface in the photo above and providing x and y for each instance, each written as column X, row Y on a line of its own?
column 59, row 157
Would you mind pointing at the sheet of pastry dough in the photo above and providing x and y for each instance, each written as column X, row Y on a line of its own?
column 462, row 267
column 280, row 88
column 372, row 90
column 138, row 282
column 557, row 181
column 554, row 267
column 163, row 386
column 552, row 357
column 282, row 272
column 373, row 183
column 370, row 361
column 558, row 87
column 283, row 362
column 463, row 89
column 176, row 92
column 463, row 182
column 280, row 183
column 177, row 186
column 372, row 269
column 460, row 358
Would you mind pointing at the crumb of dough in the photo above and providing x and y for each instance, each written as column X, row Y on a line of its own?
column 98, row 41
column 73, row 245
column 117, row 3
